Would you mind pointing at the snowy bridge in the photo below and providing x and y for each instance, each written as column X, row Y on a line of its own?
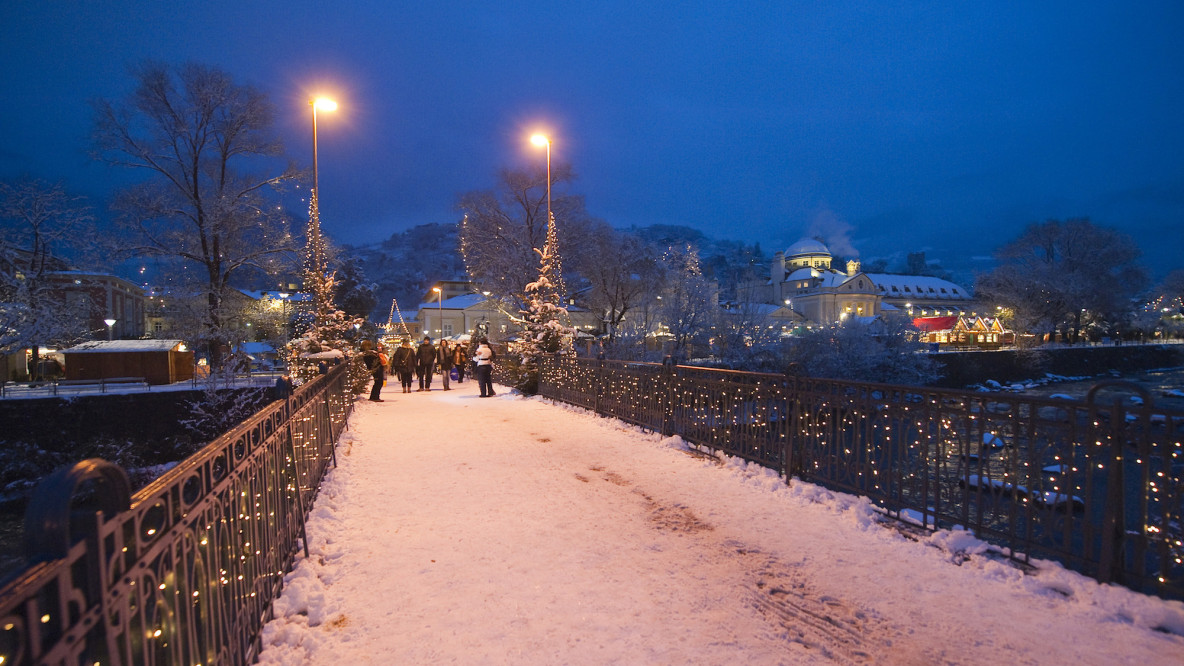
column 518, row 531
column 515, row 530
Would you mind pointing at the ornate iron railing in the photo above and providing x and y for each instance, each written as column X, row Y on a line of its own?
column 1098, row 486
column 184, row 571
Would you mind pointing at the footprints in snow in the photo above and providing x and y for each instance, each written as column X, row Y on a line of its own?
column 834, row 629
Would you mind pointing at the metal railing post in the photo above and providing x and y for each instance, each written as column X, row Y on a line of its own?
column 669, row 372
column 598, row 376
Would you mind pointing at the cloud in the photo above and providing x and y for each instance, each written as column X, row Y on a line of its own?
column 833, row 231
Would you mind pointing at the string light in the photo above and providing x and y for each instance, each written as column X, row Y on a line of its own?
column 1009, row 468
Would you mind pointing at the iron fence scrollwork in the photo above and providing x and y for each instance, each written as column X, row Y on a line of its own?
column 184, row 573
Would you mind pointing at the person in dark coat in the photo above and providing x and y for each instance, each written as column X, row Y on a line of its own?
column 403, row 362
column 444, row 359
column 374, row 366
column 426, row 359
column 460, row 358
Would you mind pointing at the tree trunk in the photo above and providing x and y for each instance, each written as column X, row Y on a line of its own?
column 35, row 363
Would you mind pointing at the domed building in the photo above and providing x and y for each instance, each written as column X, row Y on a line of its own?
column 802, row 278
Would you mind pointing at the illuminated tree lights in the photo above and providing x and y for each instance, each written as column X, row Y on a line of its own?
column 1011, row 469
column 190, row 569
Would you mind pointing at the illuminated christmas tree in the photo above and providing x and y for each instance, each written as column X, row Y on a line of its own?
column 544, row 332
column 331, row 329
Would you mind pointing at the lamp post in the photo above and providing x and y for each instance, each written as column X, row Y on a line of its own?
column 314, row 218
column 440, row 301
column 324, row 105
column 110, row 323
column 541, row 140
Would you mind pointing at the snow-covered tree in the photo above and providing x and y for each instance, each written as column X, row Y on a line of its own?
column 688, row 308
column 544, row 332
column 1057, row 272
column 1164, row 309
column 620, row 269
column 330, row 329
column 219, row 406
column 502, row 229
column 39, row 223
column 352, row 292
column 884, row 350
column 747, row 338
column 198, row 135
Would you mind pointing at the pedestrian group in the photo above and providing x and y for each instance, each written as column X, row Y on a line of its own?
column 424, row 361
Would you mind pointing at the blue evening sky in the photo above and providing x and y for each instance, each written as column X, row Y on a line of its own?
column 888, row 127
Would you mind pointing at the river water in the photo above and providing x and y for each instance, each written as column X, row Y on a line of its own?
column 1164, row 387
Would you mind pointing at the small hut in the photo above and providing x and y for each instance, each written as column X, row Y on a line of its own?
column 156, row 361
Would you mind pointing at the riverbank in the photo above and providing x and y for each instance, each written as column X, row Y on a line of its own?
column 1017, row 366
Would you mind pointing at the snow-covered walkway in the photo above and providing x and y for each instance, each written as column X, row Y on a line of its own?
column 515, row 531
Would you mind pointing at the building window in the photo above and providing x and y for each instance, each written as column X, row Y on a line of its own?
column 447, row 330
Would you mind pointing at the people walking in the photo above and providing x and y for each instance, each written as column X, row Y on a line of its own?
column 425, row 360
column 484, row 357
column 444, row 359
column 403, row 363
column 373, row 363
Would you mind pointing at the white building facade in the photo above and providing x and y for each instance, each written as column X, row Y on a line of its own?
column 802, row 279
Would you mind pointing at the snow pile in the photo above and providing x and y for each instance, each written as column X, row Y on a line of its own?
column 459, row 530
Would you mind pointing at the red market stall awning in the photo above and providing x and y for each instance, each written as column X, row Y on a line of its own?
column 930, row 324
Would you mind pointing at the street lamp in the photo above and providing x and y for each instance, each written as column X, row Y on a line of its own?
column 440, row 300
column 323, row 104
column 314, row 218
column 541, row 140
column 110, row 323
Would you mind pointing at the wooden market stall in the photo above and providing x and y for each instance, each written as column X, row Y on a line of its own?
column 155, row 361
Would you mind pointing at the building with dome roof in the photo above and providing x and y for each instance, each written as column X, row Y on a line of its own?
column 802, row 278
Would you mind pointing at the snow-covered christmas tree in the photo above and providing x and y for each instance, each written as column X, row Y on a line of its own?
column 333, row 333
column 544, row 332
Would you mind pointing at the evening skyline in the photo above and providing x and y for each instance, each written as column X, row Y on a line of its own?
column 887, row 128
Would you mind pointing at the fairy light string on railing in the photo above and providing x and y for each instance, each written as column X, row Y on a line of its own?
column 990, row 464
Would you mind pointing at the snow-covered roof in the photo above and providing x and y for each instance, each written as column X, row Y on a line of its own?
column 455, row 303
column 806, row 246
column 834, row 279
column 803, row 274
column 113, row 346
column 919, row 286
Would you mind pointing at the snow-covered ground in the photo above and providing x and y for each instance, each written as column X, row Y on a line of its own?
column 515, row 531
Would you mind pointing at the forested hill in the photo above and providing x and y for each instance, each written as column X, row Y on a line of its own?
column 406, row 265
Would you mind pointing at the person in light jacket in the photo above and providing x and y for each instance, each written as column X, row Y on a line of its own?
column 484, row 357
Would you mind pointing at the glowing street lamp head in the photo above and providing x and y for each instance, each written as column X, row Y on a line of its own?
column 540, row 140
column 324, row 104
